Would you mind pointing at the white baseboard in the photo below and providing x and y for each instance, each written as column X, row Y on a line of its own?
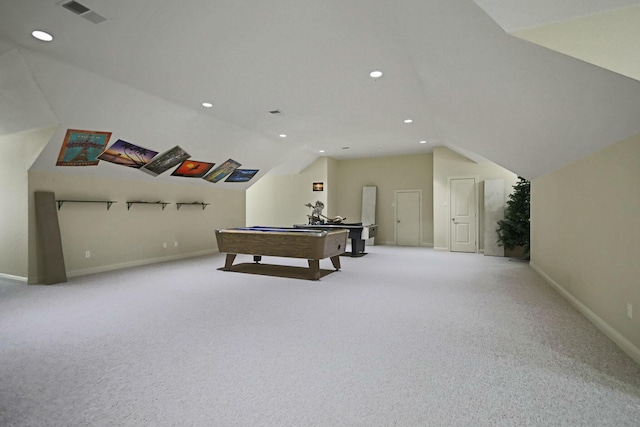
column 422, row 245
column 138, row 263
column 441, row 249
column 12, row 277
column 622, row 342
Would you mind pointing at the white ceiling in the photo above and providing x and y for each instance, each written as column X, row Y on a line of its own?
column 449, row 65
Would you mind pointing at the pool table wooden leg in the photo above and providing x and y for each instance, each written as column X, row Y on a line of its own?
column 335, row 260
column 314, row 266
column 229, row 262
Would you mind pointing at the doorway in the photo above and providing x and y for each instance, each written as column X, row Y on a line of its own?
column 408, row 214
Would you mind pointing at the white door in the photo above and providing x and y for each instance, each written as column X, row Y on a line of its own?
column 462, row 193
column 408, row 217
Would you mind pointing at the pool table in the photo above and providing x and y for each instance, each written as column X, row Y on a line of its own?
column 312, row 245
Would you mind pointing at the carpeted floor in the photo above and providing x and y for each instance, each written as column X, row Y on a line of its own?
column 400, row 337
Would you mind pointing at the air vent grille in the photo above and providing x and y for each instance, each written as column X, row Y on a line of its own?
column 76, row 7
column 84, row 11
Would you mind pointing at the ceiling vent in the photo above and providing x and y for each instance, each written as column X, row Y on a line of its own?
column 84, row 11
column 76, row 7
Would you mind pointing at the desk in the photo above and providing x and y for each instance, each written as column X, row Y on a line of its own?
column 312, row 245
column 358, row 233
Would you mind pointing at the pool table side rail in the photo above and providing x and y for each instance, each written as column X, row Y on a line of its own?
column 283, row 244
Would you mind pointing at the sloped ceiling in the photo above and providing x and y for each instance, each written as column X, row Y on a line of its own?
column 608, row 40
column 451, row 66
column 605, row 33
column 22, row 105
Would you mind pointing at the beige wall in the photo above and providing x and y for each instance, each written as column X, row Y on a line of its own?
column 585, row 237
column 279, row 200
column 118, row 237
column 22, row 149
column 447, row 164
column 388, row 174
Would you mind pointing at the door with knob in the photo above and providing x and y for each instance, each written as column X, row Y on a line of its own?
column 408, row 214
column 462, row 194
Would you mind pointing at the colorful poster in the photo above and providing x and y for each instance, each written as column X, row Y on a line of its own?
column 193, row 169
column 221, row 171
column 242, row 175
column 127, row 154
column 165, row 161
column 82, row 147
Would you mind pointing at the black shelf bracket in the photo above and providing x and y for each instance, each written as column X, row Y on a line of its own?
column 164, row 204
column 108, row 202
column 204, row 205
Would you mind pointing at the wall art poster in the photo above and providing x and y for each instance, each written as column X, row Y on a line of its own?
column 82, row 147
column 127, row 154
column 193, row 169
column 165, row 161
column 221, row 171
column 242, row 175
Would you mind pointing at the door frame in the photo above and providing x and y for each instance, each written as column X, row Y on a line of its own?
column 476, row 179
column 395, row 214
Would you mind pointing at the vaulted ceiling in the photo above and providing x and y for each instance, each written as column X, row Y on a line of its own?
column 465, row 72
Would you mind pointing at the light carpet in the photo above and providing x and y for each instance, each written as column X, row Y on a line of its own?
column 400, row 337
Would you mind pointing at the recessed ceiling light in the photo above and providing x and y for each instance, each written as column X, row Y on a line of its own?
column 207, row 104
column 321, row 151
column 42, row 35
column 282, row 135
column 376, row 74
column 408, row 121
column 423, row 142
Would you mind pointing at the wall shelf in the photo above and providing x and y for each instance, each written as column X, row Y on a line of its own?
column 108, row 202
column 129, row 204
column 204, row 205
column 164, row 204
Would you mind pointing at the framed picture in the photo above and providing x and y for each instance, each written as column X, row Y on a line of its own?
column 318, row 186
column 127, row 154
column 82, row 147
column 242, row 175
column 165, row 161
column 222, row 171
column 192, row 169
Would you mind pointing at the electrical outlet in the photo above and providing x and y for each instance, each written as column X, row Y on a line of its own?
column 164, row 244
column 629, row 310
column 175, row 244
column 87, row 254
